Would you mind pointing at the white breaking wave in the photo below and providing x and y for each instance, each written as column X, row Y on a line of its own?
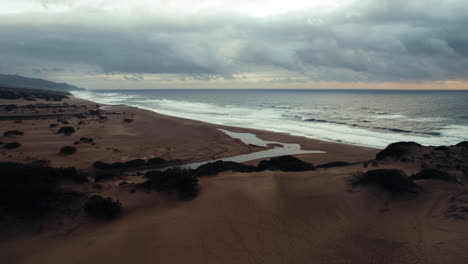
column 273, row 119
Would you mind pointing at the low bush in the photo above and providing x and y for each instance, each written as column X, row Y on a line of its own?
column 29, row 189
column 102, row 208
column 396, row 150
column 66, row 130
column 334, row 164
column 431, row 174
column 219, row 166
column 175, row 180
column 12, row 145
column 53, row 125
column 155, row 161
column 13, row 133
column 86, row 140
column 128, row 120
column 67, row 150
column 463, row 144
column 285, row 163
column 392, row 180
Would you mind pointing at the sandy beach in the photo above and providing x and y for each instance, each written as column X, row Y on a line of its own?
column 258, row 217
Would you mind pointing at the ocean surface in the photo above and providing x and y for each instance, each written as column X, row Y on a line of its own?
column 366, row 118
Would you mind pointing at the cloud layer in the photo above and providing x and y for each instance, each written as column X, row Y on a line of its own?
column 391, row 41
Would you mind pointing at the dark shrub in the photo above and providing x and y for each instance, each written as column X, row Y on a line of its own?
column 135, row 163
column 102, row 175
column 395, row 181
column 442, row 148
column 396, row 150
column 334, row 164
column 86, row 140
column 128, row 120
column 285, row 163
column 80, row 116
column 119, row 165
column 65, row 122
column 13, row 133
column 155, row 161
column 102, row 165
column 31, row 189
column 434, row 174
column 67, row 150
column 53, row 125
column 12, row 145
column 214, row 168
column 66, row 130
column 175, row 180
column 80, row 178
column 463, row 144
column 102, row 208
column 10, row 107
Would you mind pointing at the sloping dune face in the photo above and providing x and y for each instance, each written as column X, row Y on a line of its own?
column 266, row 217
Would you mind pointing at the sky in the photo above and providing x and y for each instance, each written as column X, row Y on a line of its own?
column 144, row 44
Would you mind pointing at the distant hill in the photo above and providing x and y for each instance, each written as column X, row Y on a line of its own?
column 16, row 81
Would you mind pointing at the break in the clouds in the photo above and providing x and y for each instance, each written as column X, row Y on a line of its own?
column 327, row 41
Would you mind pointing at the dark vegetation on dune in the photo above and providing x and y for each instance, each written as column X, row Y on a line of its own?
column 67, row 150
column 31, row 94
column 432, row 174
column 86, row 140
column 285, row 163
column 102, row 208
column 32, row 190
column 12, row 145
column 66, row 130
column 334, row 164
column 178, row 181
column 396, row 150
column 13, row 133
column 462, row 144
column 219, row 166
column 391, row 180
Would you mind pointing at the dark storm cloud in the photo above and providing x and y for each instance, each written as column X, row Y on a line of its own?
column 368, row 41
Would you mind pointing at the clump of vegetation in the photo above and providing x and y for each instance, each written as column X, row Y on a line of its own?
column 10, row 107
column 119, row 165
column 13, row 133
column 53, row 125
column 66, row 130
column 463, row 144
column 86, row 140
column 396, row 150
column 214, row 168
column 155, row 161
column 285, row 163
column 67, row 150
column 334, row 164
column 128, row 120
column 182, row 182
column 29, row 189
column 391, row 180
column 12, row 145
column 102, row 208
column 135, row 163
column 432, row 174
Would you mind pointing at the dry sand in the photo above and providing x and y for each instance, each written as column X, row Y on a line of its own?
column 262, row 217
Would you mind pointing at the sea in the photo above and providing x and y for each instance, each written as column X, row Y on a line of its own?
column 372, row 118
